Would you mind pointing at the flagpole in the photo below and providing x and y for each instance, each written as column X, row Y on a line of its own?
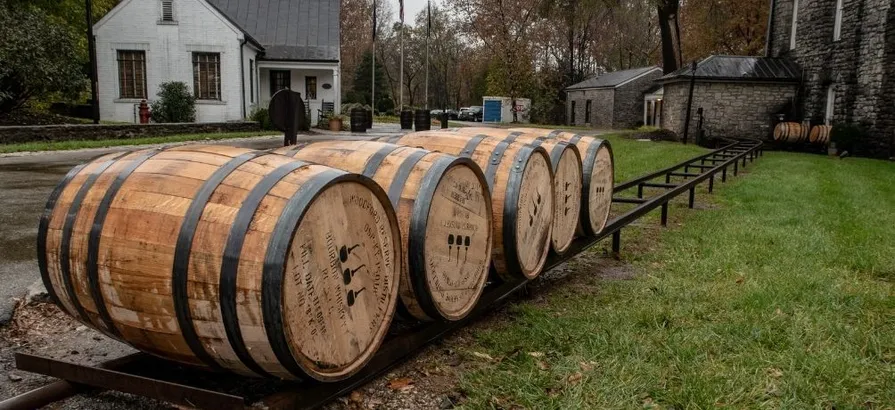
column 401, row 83
column 373, row 69
column 428, row 30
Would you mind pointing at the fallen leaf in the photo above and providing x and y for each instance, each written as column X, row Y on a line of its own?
column 543, row 365
column 574, row 378
column 740, row 280
column 400, row 383
column 778, row 312
column 483, row 356
column 536, row 354
column 356, row 397
column 553, row 391
column 586, row 366
column 775, row 373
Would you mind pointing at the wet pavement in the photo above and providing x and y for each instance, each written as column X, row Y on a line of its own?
column 26, row 181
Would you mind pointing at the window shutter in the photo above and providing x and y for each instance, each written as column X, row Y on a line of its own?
column 167, row 10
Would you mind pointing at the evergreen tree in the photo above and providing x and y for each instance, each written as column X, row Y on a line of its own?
column 362, row 92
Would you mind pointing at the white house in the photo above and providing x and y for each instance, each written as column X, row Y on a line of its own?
column 233, row 54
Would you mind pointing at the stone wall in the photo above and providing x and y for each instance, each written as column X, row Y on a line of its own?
column 601, row 107
column 859, row 66
column 731, row 109
column 628, row 111
column 14, row 135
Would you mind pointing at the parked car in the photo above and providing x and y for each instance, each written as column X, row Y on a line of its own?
column 436, row 113
column 453, row 114
column 473, row 113
column 477, row 112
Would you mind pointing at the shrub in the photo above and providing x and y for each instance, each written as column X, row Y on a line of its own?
column 846, row 136
column 262, row 117
column 175, row 104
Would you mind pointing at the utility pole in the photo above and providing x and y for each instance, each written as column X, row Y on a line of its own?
column 91, row 46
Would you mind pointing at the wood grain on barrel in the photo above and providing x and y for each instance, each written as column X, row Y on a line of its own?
column 505, row 164
column 444, row 213
column 792, row 132
column 218, row 300
column 567, row 167
column 820, row 134
column 598, row 175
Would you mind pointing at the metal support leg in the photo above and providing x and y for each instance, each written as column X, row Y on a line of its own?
column 744, row 162
column 616, row 242
column 692, row 196
column 665, row 214
column 736, row 168
column 711, row 183
column 667, row 178
column 724, row 174
column 640, row 190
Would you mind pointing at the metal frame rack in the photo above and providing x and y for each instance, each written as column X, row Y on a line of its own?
column 147, row 376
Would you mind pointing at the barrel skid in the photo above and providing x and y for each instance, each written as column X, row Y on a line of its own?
column 156, row 378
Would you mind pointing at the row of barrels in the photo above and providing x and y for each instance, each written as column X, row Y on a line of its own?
column 794, row 132
column 292, row 263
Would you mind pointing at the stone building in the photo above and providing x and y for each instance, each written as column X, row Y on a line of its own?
column 846, row 51
column 611, row 100
column 738, row 95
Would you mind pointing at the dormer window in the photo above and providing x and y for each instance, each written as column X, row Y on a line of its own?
column 167, row 11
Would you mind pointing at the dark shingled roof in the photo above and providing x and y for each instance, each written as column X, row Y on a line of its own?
column 612, row 79
column 740, row 68
column 305, row 30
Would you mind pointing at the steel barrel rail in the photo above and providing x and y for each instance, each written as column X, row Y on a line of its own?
column 127, row 378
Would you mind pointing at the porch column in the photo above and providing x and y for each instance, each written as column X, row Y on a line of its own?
column 337, row 84
column 646, row 103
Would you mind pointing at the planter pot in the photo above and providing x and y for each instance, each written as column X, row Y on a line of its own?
column 335, row 124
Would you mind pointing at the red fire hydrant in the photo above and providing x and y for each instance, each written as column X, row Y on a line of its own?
column 144, row 112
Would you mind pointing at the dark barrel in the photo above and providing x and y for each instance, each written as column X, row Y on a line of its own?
column 369, row 118
column 406, row 120
column 444, row 119
column 423, row 120
column 358, row 120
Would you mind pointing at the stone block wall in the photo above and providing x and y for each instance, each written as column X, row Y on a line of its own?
column 628, row 110
column 860, row 66
column 731, row 109
column 80, row 132
column 601, row 114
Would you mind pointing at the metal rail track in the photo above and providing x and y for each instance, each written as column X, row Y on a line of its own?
column 143, row 375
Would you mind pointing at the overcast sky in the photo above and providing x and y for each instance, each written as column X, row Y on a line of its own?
column 412, row 8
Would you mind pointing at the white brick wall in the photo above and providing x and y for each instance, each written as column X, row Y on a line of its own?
column 135, row 26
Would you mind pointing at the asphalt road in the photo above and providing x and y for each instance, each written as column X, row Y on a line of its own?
column 25, row 183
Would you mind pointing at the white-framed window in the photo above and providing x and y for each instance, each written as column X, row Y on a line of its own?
column 831, row 101
column 167, row 11
column 207, row 76
column 837, row 24
column 795, row 24
column 131, row 74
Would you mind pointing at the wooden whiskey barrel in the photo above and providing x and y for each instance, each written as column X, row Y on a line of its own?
column 820, row 134
column 567, row 168
column 521, row 181
column 791, row 132
column 444, row 213
column 226, row 258
column 598, row 176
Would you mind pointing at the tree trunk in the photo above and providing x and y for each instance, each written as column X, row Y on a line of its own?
column 666, row 11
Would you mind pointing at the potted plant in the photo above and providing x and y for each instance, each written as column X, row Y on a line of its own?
column 335, row 122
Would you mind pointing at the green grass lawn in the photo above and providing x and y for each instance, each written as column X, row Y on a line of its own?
column 71, row 145
column 779, row 294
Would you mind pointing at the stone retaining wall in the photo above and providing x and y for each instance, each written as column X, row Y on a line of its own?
column 47, row 133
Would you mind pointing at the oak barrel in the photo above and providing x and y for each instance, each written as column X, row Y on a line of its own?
column 226, row 258
column 358, row 120
column 521, row 182
column 598, row 175
column 820, row 134
column 406, row 119
column 444, row 213
column 422, row 120
column 791, row 132
column 567, row 169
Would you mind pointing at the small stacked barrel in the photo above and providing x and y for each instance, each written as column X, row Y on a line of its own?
column 358, row 120
column 790, row 132
column 820, row 134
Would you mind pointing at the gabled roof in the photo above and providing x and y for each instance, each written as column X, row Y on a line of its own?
column 740, row 68
column 303, row 30
column 613, row 79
